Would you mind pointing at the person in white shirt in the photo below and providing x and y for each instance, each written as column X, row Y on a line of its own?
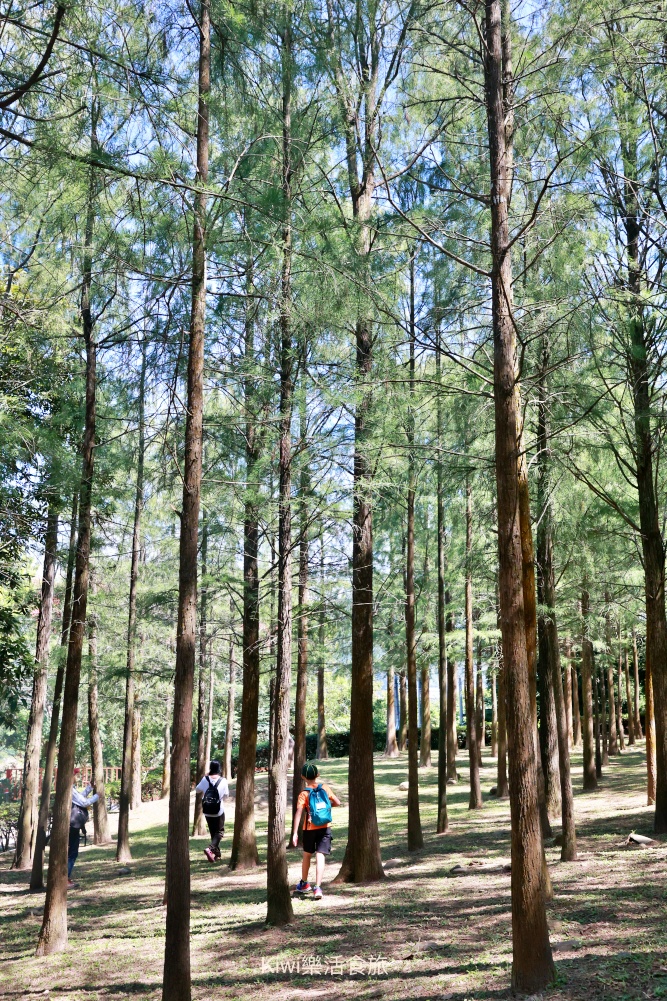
column 214, row 790
column 77, row 821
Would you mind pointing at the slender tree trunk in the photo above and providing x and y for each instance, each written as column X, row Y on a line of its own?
column 494, row 714
column 53, row 933
column 198, row 823
column 628, row 699
column 101, row 834
column 137, row 775
column 37, row 874
column 475, row 801
column 176, row 985
column 587, row 670
column 321, row 715
column 480, row 709
column 302, row 626
column 602, row 713
column 279, row 902
column 123, row 852
column 635, row 668
column 244, row 853
column 502, row 785
column 229, row 727
column 452, row 695
column 568, row 693
column 619, row 700
column 426, row 735
column 28, row 811
column 532, row 966
column 403, row 711
column 166, row 753
column 415, row 837
column 613, row 732
column 443, row 728
column 391, row 747
column 576, row 711
column 651, row 777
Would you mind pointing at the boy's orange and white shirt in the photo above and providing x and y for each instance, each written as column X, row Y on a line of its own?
column 302, row 803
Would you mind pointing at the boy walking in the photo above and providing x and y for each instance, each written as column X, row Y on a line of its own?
column 315, row 802
column 214, row 790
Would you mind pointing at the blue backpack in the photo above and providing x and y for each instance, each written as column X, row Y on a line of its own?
column 319, row 807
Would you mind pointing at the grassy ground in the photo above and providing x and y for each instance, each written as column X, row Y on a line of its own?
column 421, row 934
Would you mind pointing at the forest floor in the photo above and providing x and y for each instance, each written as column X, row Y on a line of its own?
column 422, row 934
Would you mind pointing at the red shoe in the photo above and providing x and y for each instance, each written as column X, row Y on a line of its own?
column 70, row 884
column 209, row 855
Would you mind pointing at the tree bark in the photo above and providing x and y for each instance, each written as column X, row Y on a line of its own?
column 37, row 873
column 619, row 700
column 229, row 728
column 302, row 627
column 53, row 933
column 198, row 823
column 590, row 770
column 123, row 851
column 403, row 711
column 568, row 694
column 613, row 731
column 452, row 694
column 494, row 714
column 101, row 834
column 244, row 853
column 176, row 979
column 601, row 705
column 137, row 775
column 475, row 801
column 651, row 776
column 635, row 668
column 576, row 711
column 628, row 699
column 391, row 747
column 415, row 837
column 28, row 810
column 532, row 965
column 279, row 902
column 480, row 709
column 321, row 715
column 442, row 825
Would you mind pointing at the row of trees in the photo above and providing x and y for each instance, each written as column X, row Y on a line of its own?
column 380, row 296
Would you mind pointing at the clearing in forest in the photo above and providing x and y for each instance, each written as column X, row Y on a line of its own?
column 423, row 933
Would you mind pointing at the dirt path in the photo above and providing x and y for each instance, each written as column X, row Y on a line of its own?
column 424, row 933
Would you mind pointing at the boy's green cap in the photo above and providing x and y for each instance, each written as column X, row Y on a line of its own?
column 310, row 771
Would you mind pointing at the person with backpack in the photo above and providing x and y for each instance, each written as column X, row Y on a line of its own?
column 314, row 803
column 214, row 790
column 78, row 818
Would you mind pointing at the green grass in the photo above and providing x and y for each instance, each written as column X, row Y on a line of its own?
column 425, row 933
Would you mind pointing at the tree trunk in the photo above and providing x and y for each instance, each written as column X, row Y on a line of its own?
column 480, row 709
column 101, row 834
column 166, row 753
column 302, row 625
column 619, row 700
column 502, row 785
column 425, row 741
column 53, row 933
column 651, row 778
column 635, row 668
column 137, row 775
column 602, row 714
column 27, row 824
column 321, row 716
column 279, row 902
column 244, row 853
column 532, row 966
column 628, row 699
column 37, row 874
column 452, row 696
column 123, row 852
column 568, row 694
column 590, row 770
column 403, row 710
column 229, row 727
column 443, row 728
column 415, row 837
column 391, row 747
column 494, row 714
column 613, row 731
column 198, row 823
column 475, row 801
column 576, row 710
column 176, row 984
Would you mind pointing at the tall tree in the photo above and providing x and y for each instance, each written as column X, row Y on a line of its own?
column 101, row 834
column 199, row 824
column 475, row 801
column 176, row 984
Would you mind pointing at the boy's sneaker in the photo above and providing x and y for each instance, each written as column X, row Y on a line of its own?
column 317, row 893
column 209, row 854
column 303, row 886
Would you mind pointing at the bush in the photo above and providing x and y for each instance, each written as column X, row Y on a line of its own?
column 9, row 825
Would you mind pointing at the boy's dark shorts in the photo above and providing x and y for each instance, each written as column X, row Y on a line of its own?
column 317, row 840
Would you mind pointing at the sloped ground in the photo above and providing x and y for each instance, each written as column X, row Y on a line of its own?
column 421, row 934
